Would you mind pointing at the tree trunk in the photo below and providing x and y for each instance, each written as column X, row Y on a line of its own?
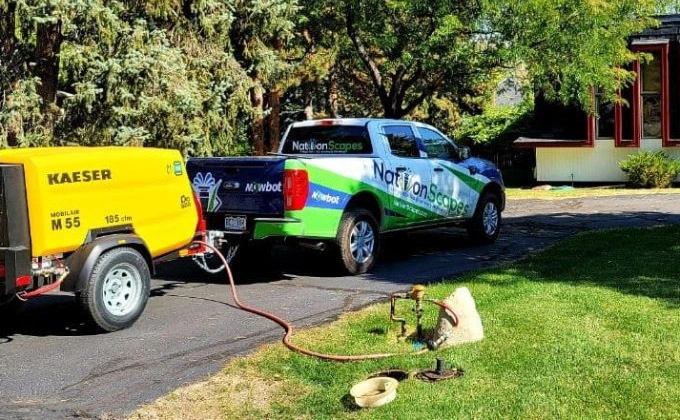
column 257, row 101
column 274, row 119
column 307, row 101
column 274, row 99
column 48, row 44
column 7, row 27
column 333, row 93
column 8, row 58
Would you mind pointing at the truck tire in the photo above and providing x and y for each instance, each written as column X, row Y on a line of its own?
column 485, row 225
column 358, row 240
column 117, row 289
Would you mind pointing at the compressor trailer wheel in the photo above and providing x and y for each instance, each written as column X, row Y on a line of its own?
column 117, row 290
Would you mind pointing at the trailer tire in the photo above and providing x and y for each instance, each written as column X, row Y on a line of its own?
column 358, row 241
column 485, row 225
column 117, row 289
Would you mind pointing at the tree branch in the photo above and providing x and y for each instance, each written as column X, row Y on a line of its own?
column 408, row 83
column 395, row 88
column 370, row 64
column 424, row 95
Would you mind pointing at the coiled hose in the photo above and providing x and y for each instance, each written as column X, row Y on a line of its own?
column 289, row 328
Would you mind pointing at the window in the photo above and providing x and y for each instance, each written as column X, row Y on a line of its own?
column 402, row 141
column 648, row 116
column 605, row 116
column 437, row 146
column 333, row 139
column 650, row 95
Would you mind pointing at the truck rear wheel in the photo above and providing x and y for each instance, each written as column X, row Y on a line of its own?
column 358, row 241
column 486, row 222
column 117, row 290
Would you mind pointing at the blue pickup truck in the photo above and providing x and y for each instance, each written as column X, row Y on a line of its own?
column 343, row 183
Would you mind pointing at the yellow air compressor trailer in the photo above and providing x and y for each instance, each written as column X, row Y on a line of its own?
column 92, row 221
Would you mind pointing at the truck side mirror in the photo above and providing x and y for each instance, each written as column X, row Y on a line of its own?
column 463, row 152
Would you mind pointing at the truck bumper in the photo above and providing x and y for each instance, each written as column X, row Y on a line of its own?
column 267, row 228
column 311, row 222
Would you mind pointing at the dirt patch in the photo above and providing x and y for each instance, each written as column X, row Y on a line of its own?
column 230, row 394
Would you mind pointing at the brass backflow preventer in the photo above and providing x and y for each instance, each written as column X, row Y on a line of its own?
column 417, row 293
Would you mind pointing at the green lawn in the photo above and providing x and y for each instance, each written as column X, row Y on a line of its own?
column 520, row 193
column 587, row 329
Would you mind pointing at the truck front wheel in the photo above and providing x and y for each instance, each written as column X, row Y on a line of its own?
column 485, row 225
column 117, row 289
column 358, row 240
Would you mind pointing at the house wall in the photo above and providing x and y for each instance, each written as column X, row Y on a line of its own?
column 599, row 163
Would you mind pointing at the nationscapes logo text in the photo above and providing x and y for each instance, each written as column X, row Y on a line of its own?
column 312, row 146
column 429, row 192
column 79, row 176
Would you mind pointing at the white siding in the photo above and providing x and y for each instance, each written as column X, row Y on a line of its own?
column 590, row 164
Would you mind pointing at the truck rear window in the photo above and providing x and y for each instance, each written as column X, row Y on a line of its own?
column 334, row 139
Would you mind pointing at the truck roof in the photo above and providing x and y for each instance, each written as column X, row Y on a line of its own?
column 343, row 121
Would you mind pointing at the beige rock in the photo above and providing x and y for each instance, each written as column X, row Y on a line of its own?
column 469, row 328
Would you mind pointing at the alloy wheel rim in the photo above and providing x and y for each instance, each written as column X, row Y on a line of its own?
column 490, row 219
column 362, row 242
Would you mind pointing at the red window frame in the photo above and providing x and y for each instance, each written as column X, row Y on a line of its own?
column 592, row 123
column 619, row 141
column 663, row 49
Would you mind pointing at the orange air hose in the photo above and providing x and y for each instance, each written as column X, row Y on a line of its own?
column 289, row 328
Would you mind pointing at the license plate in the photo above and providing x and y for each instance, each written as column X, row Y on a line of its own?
column 235, row 223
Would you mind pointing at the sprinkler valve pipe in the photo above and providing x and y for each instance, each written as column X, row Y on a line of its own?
column 393, row 313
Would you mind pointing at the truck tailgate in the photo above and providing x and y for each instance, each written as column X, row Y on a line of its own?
column 251, row 186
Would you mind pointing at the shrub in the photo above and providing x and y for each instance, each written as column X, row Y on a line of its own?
column 650, row 169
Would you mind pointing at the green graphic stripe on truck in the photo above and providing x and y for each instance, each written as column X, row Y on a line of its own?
column 352, row 186
column 468, row 180
column 323, row 223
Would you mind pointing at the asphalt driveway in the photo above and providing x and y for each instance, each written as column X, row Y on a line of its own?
column 52, row 366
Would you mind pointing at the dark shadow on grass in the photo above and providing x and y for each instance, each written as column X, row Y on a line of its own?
column 349, row 404
column 635, row 261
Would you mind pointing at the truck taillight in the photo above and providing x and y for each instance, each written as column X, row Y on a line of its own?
column 295, row 188
column 201, row 225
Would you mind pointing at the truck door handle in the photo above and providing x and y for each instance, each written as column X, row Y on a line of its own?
column 401, row 168
column 438, row 169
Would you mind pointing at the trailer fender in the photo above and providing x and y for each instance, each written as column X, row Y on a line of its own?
column 82, row 261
